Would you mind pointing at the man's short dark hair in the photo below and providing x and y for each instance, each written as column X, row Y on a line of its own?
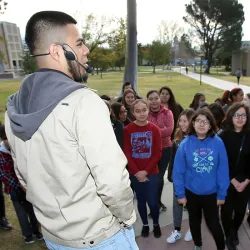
column 42, row 23
column 105, row 97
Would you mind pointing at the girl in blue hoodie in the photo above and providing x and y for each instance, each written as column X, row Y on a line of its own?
column 201, row 176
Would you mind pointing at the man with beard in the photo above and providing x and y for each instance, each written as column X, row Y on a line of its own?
column 74, row 173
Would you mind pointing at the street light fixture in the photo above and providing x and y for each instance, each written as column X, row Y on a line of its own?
column 180, row 64
column 201, row 70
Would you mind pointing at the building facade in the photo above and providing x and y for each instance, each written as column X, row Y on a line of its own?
column 241, row 59
column 10, row 49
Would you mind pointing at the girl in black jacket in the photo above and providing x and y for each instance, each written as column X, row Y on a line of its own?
column 236, row 137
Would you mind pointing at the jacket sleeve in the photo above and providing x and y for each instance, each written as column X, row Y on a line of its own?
column 156, row 150
column 179, row 170
column 168, row 128
column 13, row 155
column 119, row 133
column 171, row 162
column 127, row 148
column 104, row 157
column 223, row 179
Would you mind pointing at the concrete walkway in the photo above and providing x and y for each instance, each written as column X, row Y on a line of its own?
column 220, row 84
column 166, row 220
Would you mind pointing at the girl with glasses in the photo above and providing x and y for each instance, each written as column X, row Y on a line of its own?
column 236, row 137
column 201, row 177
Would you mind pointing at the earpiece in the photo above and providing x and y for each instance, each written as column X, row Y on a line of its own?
column 68, row 54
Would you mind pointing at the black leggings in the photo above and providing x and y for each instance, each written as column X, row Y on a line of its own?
column 162, row 165
column 208, row 204
column 236, row 202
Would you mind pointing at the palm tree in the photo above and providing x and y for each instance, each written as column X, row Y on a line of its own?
column 131, row 61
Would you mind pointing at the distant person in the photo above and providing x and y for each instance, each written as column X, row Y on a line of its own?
column 186, row 70
column 63, row 145
column 236, row 95
column 218, row 101
column 128, row 99
column 168, row 100
column 238, row 75
column 120, row 113
column 197, row 100
column 126, row 86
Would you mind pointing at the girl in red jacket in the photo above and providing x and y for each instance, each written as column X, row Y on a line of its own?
column 142, row 147
column 164, row 120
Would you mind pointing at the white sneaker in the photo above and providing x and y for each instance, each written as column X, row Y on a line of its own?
column 188, row 236
column 176, row 235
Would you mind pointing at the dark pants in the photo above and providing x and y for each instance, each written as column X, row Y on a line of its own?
column 235, row 202
column 26, row 217
column 208, row 204
column 238, row 79
column 163, row 164
column 146, row 192
column 2, row 204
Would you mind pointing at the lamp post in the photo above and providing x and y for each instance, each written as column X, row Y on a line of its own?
column 180, row 64
column 201, row 70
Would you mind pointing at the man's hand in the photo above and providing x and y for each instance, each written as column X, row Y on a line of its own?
column 141, row 176
column 182, row 201
column 220, row 202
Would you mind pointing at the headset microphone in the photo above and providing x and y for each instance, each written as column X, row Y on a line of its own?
column 71, row 57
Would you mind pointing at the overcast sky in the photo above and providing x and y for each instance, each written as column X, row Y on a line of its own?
column 149, row 13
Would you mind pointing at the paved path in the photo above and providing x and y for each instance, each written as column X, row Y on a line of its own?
column 166, row 220
column 221, row 84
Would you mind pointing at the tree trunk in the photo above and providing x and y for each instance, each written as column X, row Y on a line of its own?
column 131, row 61
column 209, row 63
column 154, row 68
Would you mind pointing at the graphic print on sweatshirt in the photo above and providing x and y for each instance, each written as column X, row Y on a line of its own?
column 203, row 160
column 141, row 144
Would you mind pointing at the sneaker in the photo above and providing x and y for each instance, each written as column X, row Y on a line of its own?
column 29, row 239
column 175, row 235
column 5, row 224
column 188, row 236
column 163, row 208
column 145, row 231
column 157, row 231
column 230, row 244
column 197, row 248
column 38, row 235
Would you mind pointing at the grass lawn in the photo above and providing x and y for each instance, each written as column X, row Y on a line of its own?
column 183, row 87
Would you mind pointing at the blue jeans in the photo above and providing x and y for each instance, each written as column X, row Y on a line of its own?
column 123, row 240
column 147, row 192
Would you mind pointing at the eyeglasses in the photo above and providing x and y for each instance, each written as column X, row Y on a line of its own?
column 205, row 122
column 238, row 116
